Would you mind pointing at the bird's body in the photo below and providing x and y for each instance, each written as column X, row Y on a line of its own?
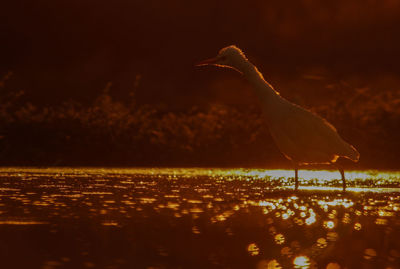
column 302, row 136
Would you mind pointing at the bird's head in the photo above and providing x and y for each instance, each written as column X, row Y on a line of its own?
column 230, row 57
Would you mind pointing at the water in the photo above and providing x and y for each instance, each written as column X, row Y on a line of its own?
column 197, row 218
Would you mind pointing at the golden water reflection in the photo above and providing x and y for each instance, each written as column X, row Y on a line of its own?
column 301, row 262
column 238, row 218
column 313, row 178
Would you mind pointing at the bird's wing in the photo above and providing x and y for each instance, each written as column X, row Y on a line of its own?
column 305, row 137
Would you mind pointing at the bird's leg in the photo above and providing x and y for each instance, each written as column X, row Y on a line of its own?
column 296, row 177
column 343, row 178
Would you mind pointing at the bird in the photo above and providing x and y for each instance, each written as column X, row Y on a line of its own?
column 302, row 136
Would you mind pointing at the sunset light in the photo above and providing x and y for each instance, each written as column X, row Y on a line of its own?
column 200, row 134
column 301, row 262
column 261, row 202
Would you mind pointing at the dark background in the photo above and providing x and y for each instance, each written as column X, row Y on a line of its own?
column 58, row 51
column 71, row 49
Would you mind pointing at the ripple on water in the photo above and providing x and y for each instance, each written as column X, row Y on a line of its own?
column 252, row 213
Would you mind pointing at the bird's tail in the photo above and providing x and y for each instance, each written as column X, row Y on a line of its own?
column 351, row 153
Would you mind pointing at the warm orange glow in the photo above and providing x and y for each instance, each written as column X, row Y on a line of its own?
column 322, row 243
column 333, row 265
column 329, row 224
column 21, row 222
column 279, row 239
column 285, row 216
column 273, row 264
column 217, row 200
column 357, row 226
column 320, row 177
column 369, row 254
column 253, row 249
column 310, row 220
column 110, row 223
column 301, row 262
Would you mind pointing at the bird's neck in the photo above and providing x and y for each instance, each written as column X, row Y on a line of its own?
column 263, row 89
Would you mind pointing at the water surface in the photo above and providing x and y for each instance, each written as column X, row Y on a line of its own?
column 197, row 218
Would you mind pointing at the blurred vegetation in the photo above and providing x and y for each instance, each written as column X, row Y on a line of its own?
column 121, row 133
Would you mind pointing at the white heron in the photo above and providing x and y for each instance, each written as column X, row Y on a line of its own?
column 302, row 136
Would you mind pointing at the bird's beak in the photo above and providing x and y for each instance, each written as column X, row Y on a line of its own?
column 207, row 62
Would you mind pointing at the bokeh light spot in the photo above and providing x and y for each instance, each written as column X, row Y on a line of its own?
column 329, row 224
column 322, row 243
column 253, row 249
column 279, row 239
column 301, row 262
column 369, row 254
column 333, row 265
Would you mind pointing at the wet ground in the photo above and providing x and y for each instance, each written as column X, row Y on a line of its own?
column 197, row 218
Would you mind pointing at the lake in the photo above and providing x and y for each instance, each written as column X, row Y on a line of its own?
column 197, row 218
